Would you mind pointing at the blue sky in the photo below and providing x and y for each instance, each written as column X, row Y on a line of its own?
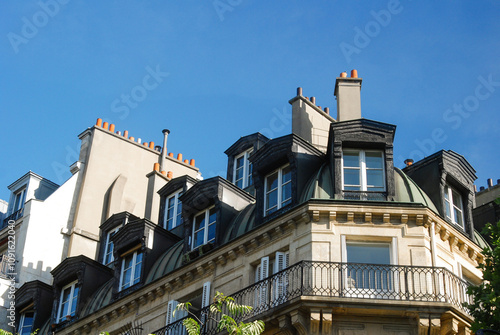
column 227, row 68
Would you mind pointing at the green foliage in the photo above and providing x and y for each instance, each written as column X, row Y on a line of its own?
column 225, row 322
column 486, row 306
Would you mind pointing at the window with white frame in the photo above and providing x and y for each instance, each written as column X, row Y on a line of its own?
column 19, row 199
column 368, row 265
column 279, row 285
column 363, row 170
column 108, row 248
column 68, row 301
column 242, row 170
column 173, row 211
column 131, row 270
column 278, row 189
column 204, row 227
column 25, row 323
column 454, row 206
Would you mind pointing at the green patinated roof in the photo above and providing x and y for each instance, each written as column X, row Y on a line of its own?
column 166, row 263
column 242, row 223
column 321, row 186
column 479, row 239
column 408, row 191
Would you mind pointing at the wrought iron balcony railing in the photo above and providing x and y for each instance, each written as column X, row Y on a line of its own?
column 343, row 281
column 14, row 216
column 364, row 195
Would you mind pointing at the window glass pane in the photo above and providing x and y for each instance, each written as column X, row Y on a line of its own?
column 212, row 216
column 286, row 174
column 74, row 300
column 199, row 222
column 446, row 195
column 211, row 232
column 198, row 238
column 373, row 160
column 286, row 194
column 272, row 181
column 458, row 217
column 351, row 177
column 457, row 200
column 375, row 178
column 368, row 253
column 240, row 161
column 25, row 327
column 351, row 159
column 271, row 199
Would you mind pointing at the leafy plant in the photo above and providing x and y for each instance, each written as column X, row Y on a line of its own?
column 224, row 321
column 486, row 306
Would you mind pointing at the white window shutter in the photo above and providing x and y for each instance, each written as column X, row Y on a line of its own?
column 264, row 268
column 205, row 299
column 172, row 304
column 281, row 282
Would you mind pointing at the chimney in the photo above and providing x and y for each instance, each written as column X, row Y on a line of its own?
column 348, row 94
column 408, row 162
column 163, row 161
column 490, row 182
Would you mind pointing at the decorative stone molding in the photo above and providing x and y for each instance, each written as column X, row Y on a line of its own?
column 299, row 322
column 350, row 217
column 368, row 217
column 404, row 218
column 332, row 216
column 386, row 218
column 315, row 216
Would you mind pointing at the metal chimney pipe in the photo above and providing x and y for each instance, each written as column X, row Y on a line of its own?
column 490, row 182
column 163, row 161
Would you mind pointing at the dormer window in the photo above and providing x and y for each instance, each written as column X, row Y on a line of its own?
column 108, row 249
column 19, row 199
column 68, row 301
column 278, row 189
column 363, row 170
column 131, row 270
column 173, row 211
column 204, row 227
column 242, row 175
column 454, row 206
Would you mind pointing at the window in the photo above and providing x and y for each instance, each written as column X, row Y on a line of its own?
column 68, row 301
column 131, row 270
column 242, row 174
column 108, row 249
column 279, row 284
column 174, row 316
column 365, row 268
column 454, row 206
column 19, row 199
column 173, row 211
column 25, row 323
column 204, row 227
column 278, row 189
column 363, row 170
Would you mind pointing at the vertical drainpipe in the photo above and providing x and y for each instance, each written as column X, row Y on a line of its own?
column 433, row 244
column 163, row 161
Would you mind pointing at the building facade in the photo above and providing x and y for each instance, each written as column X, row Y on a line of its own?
column 316, row 230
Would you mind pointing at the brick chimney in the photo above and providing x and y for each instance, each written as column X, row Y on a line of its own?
column 348, row 94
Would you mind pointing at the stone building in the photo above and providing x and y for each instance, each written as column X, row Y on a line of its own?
column 316, row 230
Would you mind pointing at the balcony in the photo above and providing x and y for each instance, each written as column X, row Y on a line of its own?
column 342, row 282
column 14, row 216
column 364, row 195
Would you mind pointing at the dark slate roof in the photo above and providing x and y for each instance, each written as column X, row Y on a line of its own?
column 99, row 299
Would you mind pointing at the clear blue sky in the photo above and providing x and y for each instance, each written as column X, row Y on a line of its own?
column 227, row 68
